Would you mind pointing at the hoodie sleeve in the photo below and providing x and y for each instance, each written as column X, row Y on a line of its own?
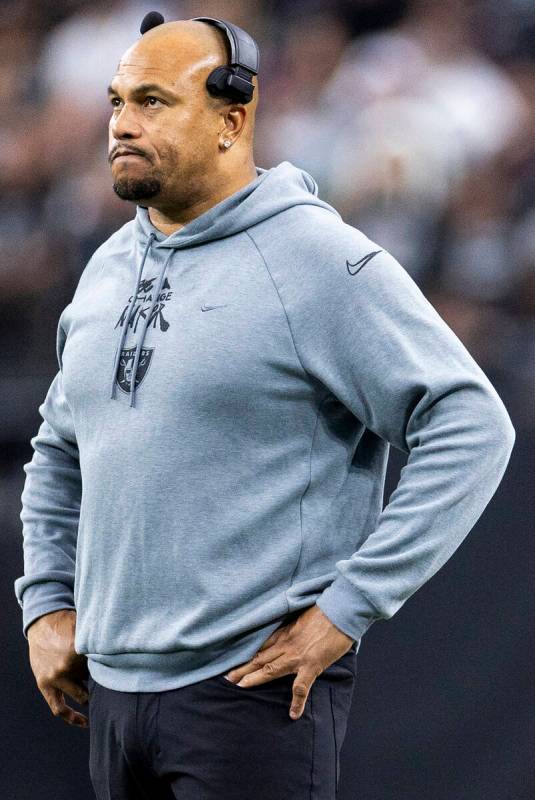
column 367, row 332
column 50, row 507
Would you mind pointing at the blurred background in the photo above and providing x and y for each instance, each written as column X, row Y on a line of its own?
column 417, row 120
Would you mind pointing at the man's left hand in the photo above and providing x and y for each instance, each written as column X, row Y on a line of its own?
column 307, row 646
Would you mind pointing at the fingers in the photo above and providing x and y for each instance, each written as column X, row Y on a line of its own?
column 73, row 689
column 56, row 701
column 262, row 670
column 268, row 653
column 276, row 669
column 300, row 691
column 264, row 660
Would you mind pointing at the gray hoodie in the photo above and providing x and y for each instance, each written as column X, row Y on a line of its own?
column 215, row 465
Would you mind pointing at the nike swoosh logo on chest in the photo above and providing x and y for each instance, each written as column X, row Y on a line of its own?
column 206, row 307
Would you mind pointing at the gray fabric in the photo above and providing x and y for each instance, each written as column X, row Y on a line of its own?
column 244, row 480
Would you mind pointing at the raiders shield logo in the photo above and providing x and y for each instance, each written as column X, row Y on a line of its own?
column 126, row 364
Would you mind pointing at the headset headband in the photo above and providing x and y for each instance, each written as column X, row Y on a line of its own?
column 235, row 79
column 243, row 48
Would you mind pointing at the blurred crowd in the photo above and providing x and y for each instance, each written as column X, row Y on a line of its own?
column 417, row 120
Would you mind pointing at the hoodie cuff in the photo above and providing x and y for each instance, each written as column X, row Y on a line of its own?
column 42, row 598
column 347, row 607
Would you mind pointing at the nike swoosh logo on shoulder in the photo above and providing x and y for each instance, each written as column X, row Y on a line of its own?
column 362, row 262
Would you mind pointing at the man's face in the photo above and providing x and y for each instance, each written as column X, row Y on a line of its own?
column 162, row 115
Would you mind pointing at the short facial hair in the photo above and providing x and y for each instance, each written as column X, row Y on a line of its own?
column 136, row 188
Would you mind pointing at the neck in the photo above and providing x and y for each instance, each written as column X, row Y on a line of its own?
column 172, row 218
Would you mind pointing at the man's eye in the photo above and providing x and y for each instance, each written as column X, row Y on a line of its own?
column 116, row 100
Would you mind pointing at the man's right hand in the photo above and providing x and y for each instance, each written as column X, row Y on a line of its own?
column 57, row 667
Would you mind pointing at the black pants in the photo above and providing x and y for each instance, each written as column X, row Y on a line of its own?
column 213, row 740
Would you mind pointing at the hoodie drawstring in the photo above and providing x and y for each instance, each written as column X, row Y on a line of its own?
column 124, row 329
column 139, row 345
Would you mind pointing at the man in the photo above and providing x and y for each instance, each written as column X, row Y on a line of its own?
column 205, row 496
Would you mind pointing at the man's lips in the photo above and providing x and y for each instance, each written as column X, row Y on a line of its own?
column 126, row 154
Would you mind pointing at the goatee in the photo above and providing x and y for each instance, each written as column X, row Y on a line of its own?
column 136, row 188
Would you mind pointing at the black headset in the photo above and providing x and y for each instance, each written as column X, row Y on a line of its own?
column 234, row 80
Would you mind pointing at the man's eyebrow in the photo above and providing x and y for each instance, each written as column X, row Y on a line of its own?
column 144, row 88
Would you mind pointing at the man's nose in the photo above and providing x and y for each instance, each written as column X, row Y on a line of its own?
column 124, row 124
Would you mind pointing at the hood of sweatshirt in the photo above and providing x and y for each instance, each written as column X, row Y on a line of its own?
column 272, row 191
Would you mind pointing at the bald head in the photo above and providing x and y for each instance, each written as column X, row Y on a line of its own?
column 186, row 51
column 173, row 127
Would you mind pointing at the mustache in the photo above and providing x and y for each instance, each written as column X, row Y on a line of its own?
column 122, row 150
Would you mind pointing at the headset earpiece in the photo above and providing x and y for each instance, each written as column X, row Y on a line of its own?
column 232, row 82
